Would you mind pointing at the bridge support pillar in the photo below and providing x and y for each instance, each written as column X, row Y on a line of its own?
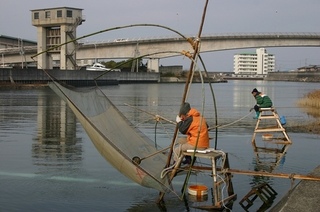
column 153, row 65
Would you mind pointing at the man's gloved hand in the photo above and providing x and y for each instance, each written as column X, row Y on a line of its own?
column 178, row 119
column 251, row 109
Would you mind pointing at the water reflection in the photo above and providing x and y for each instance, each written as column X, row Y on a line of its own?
column 56, row 141
column 242, row 92
column 268, row 162
column 139, row 97
column 46, row 164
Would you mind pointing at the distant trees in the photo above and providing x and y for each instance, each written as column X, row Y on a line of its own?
column 110, row 64
column 126, row 65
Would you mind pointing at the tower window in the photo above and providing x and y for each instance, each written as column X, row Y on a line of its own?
column 59, row 13
column 36, row 15
column 47, row 14
column 69, row 13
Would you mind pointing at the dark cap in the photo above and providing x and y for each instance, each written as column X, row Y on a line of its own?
column 255, row 90
column 185, row 107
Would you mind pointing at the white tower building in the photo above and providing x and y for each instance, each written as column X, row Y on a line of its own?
column 57, row 26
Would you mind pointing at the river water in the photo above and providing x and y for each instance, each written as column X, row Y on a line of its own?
column 48, row 163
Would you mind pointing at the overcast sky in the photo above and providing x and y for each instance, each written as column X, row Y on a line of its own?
column 223, row 16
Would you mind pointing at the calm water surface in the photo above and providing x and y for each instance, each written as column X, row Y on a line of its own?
column 48, row 163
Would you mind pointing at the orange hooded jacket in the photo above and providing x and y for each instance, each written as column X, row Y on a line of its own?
column 190, row 127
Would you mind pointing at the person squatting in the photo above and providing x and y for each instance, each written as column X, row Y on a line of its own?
column 262, row 101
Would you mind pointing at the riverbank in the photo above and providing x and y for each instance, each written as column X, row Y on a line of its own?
column 195, row 80
column 295, row 76
column 312, row 127
column 22, row 86
column 303, row 197
column 310, row 103
column 75, row 77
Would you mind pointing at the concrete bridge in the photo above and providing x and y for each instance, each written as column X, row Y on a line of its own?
column 171, row 46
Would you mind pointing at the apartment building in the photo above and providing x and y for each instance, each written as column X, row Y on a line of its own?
column 258, row 63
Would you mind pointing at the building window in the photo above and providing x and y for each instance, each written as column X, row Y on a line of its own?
column 47, row 14
column 59, row 13
column 69, row 13
column 36, row 15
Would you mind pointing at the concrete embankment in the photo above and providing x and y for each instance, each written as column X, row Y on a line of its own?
column 195, row 80
column 74, row 77
column 303, row 197
column 294, row 76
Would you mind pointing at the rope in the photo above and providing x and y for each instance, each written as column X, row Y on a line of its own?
column 166, row 170
column 223, row 189
column 226, row 125
column 158, row 117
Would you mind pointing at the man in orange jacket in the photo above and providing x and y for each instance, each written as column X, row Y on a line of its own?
column 192, row 124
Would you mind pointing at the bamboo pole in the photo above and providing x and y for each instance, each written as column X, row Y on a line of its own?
column 279, row 175
column 187, row 85
column 260, row 173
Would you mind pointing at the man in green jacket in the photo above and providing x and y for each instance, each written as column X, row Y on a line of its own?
column 263, row 101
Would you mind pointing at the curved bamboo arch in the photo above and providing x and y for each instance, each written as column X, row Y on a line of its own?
column 193, row 57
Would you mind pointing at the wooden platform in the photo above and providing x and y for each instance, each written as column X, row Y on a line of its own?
column 264, row 191
column 219, row 166
column 270, row 139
